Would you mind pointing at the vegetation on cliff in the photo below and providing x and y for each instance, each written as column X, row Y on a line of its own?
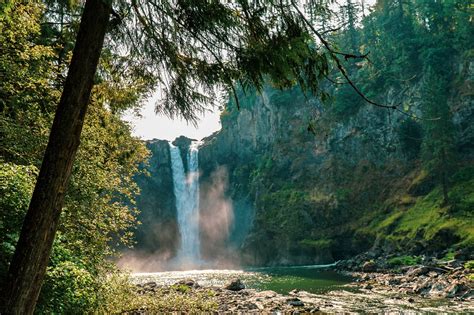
column 336, row 178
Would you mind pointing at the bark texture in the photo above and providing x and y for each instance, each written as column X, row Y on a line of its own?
column 31, row 257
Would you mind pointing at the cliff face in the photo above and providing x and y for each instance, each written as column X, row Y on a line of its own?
column 290, row 181
column 317, row 186
column 158, row 231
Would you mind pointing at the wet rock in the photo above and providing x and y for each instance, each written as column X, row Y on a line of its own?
column 250, row 306
column 235, row 285
column 461, row 255
column 422, row 287
column 269, row 294
column 394, row 281
column 150, row 285
column 294, row 302
column 188, row 282
column 369, row 266
column 418, row 271
column 365, row 277
column 454, row 263
column 438, row 288
column 368, row 287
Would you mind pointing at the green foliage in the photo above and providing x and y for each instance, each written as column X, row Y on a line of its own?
column 203, row 45
column 469, row 265
column 432, row 222
column 346, row 102
column 98, row 212
column 404, row 261
column 26, row 94
column 438, row 143
column 449, row 256
column 118, row 295
column 286, row 98
column 181, row 288
column 410, row 134
column 68, row 288
column 16, row 187
column 286, row 214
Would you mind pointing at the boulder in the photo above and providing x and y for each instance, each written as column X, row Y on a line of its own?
column 418, row 271
column 235, row 285
column 369, row 266
column 188, row 282
column 294, row 302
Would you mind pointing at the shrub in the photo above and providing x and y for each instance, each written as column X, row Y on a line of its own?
column 181, row 288
column 118, row 295
column 404, row 261
column 469, row 265
column 69, row 288
column 16, row 186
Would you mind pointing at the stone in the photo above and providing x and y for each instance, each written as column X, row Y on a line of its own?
column 267, row 294
column 188, row 282
column 251, row 306
column 369, row 266
column 394, row 281
column 418, row 271
column 368, row 287
column 150, row 284
column 453, row 290
column 235, row 285
column 294, row 302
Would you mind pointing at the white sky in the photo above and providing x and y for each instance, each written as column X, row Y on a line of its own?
column 152, row 126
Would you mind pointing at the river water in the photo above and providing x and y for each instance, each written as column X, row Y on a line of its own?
column 328, row 289
column 312, row 279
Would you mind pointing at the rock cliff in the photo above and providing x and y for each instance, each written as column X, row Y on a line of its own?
column 309, row 185
column 313, row 182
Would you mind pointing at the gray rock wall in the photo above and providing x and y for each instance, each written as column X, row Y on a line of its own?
column 158, row 231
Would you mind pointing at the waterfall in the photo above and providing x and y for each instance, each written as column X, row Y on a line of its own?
column 186, row 191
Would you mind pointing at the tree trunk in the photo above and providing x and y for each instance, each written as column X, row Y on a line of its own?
column 444, row 177
column 28, row 266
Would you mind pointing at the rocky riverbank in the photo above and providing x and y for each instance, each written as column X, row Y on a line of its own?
column 428, row 277
column 372, row 292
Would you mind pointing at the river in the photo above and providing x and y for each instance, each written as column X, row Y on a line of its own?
column 315, row 285
column 312, row 279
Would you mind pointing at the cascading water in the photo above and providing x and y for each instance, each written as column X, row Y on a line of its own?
column 186, row 191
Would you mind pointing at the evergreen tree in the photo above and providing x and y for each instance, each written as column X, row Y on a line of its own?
column 438, row 143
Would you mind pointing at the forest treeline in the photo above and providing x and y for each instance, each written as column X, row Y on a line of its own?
column 414, row 42
column 343, row 176
column 402, row 39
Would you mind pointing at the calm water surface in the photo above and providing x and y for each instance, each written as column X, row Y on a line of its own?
column 313, row 279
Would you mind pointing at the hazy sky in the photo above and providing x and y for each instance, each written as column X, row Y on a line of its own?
column 156, row 126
